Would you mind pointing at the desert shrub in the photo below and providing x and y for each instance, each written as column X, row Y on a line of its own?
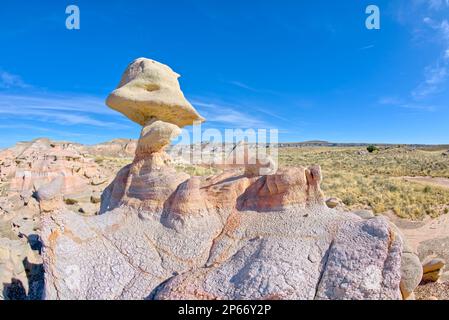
column 392, row 188
column 70, row 201
column 197, row 170
column 372, row 148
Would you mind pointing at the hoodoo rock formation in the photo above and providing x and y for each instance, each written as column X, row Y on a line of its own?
column 151, row 89
column 235, row 235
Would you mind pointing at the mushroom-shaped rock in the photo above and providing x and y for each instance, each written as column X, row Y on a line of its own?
column 156, row 136
column 149, row 89
column 165, row 235
column 149, row 94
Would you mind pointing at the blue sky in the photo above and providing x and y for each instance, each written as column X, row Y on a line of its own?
column 308, row 68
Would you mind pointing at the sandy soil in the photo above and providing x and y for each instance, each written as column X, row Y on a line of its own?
column 420, row 231
column 440, row 182
column 434, row 291
column 429, row 238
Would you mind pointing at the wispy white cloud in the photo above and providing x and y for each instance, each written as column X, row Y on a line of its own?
column 257, row 109
column 442, row 27
column 247, row 87
column 9, row 80
column 273, row 114
column 227, row 115
column 438, row 4
column 238, row 120
column 245, row 114
column 367, row 47
column 59, row 118
column 243, row 86
column 428, row 22
column 401, row 103
column 45, row 130
column 415, row 106
column 64, row 110
column 60, row 109
column 57, row 102
column 437, row 74
column 391, row 101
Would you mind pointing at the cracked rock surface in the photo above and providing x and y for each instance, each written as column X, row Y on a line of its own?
column 302, row 251
column 166, row 235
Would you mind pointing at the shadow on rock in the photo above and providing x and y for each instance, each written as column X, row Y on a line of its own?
column 35, row 277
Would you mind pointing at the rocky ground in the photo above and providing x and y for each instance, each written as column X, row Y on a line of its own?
column 84, row 170
column 88, row 170
column 127, row 220
column 433, row 291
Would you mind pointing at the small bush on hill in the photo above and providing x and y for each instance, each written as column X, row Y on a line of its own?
column 372, row 148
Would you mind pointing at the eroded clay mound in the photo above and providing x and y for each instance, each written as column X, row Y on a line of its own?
column 28, row 166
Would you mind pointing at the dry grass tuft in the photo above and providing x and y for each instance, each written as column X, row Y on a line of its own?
column 375, row 180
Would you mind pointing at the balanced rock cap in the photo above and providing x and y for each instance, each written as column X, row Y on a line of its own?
column 149, row 89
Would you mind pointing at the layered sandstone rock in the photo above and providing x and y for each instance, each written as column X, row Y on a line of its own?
column 50, row 196
column 301, row 251
column 40, row 162
column 432, row 269
column 123, row 148
column 36, row 178
column 31, row 166
column 235, row 235
column 149, row 180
